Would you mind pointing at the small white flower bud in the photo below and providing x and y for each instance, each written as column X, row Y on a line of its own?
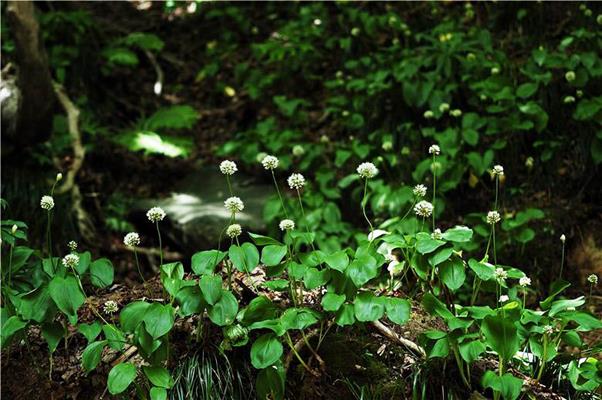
column 497, row 170
column 504, row 298
column 14, row 229
column 367, row 170
column 562, row 238
column 132, row 239
column 59, row 176
column 47, row 203
column 548, row 330
column 570, row 76
column 428, row 114
column 296, row 181
column 499, row 274
column 593, row 279
column 287, row 225
column 155, row 214
column 298, row 150
column 72, row 245
column 228, row 167
column 456, row 113
column 423, row 209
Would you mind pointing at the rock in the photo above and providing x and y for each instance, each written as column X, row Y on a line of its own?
column 196, row 213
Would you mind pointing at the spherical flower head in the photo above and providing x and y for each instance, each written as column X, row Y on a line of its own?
column 437, row 235
column 71, row 260
column 443, row 107
column 287, row 225
column 47, row 203
column 435, row 149
column 548, row 329
column 456, row 113
column 155, row 214
column 499, row 274
column 72, row 245
column 428, row 114
column 423, row 209
column 493, row 217
column 593, row 279
column 228, row 167
column 524, row 281
column 504, row 298
column 419, row 190
column 568, row 100
column 497, row 170
column 562, row 238
column 234, row 230
column 110, row 307
column 132, row 239
column 298, row 150
column 570, row 76
column 234, row 204
column 270, row 162
column 296, row 181
column 367, row 170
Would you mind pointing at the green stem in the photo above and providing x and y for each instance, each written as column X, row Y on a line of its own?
column 460, row 365
column 140, row 273
column 364, row 201
column 494, row 250
column 49, row 239
column 279, row 194
column 311, row 242
column 160, row 245
column 408, row 212
column 562, row 261
column 544, row 356
column 476, row 287
column 229, row 185
column 488, row 243
column 10, row 266
column 289, row 341
column 434, row 167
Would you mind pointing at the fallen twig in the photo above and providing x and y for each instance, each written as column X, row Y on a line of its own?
column 388, row 332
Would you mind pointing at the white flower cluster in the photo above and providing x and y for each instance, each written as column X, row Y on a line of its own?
column 228, row 167
column 132, row 239
column 499, row 274
column 234, row 204
column 524, row 281
column 155, row 214
column 437, row 235
column 493, row 217
column 234, row 230
column 419, row 190
column 110, row 307
column 497, row 170
column 504, row 298
column 270, row 162
column 593, row 279
column 434, row 149
column 296, row 181
column 548, row 329
column 367, row 170
column 423, row 209
column 47, row 202
column 287, row 225
column 72, row 245
column 71, row 260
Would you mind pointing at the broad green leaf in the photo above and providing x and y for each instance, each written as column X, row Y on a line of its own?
column 433, row 306
column 92, row 354
column 398, row 310
column 158, row 319
column 459, row 234
column 11, row 326
column 36, row 305
column 158, row 393
column 338, row 260
column 116, row 338
column 204, row 262
column 526, row 90
column 501, row 335
column 428, row 245
column 439, row 349
column 362, row 270
column 440, row 256
column 101, row 273
column 172, row 275
column 278, row 285
column 224, row 311
column 270, row 383
column 120, row 377
column 260, row 308
column 53, row 332
column 211, row 288
column 298, row 318
column 368, row 307
column 84, row 262
column 470, row 350
column 452, row 273
column 483, row 270
column 314, row 278
column 261, row 240
column 132, row 315
column 346, row 315
column 562, row 305
column 90, row 331
column 273, row 254
column 508, row 385
column 265, row 351
column 332, row 301
column 67, row 296
column 190, row 300
column 158, row 376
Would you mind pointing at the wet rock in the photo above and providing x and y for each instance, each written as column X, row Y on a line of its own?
column 195, row 208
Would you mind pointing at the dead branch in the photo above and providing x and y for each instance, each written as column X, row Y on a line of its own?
column 386, row 331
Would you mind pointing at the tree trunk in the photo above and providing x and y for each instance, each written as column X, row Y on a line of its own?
column 37, row 99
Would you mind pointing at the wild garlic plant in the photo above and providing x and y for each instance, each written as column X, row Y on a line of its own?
column 379, row 278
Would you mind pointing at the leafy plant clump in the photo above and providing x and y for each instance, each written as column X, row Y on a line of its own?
column 481, row 302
